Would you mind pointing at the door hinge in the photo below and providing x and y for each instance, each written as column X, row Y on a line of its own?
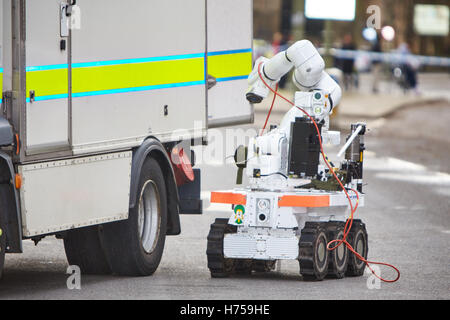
column 7, row 97
column 66, row 12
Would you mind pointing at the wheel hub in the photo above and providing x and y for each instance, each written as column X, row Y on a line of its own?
column 149, row 220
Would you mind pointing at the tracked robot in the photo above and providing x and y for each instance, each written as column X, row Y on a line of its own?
column 297, row 203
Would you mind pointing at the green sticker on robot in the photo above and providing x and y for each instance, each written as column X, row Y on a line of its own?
column 239, row 211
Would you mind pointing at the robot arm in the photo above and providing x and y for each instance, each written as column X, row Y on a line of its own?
column 309, row 73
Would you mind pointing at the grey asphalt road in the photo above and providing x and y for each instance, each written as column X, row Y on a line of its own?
column 407, row 214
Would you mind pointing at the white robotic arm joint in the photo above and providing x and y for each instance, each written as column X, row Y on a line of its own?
column 309, row 73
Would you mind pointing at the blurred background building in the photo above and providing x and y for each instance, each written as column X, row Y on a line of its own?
column 409, row 20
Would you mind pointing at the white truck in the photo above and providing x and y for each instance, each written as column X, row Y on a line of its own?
column 97, row 98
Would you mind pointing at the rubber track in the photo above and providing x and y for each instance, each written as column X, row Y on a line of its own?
column 214, row 251
column 352, row 270
column 306, row 248
column 333, row 229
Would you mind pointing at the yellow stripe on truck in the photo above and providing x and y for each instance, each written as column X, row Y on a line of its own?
column 116, row 76
column 230, row 65
column 1, row 84
column 48, row 82
column 88, row 79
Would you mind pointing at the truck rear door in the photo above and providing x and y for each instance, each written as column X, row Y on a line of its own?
column 47, row 80
column 229, row 61
column 138, row 69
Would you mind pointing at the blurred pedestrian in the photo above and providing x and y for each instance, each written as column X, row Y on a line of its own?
column 409, row 66
column 279, row 43
column 377, row 67
column 347, row 65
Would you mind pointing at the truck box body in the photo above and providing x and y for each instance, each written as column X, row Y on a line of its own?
column 82, row 92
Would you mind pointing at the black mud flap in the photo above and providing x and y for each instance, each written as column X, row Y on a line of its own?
column 189, row 194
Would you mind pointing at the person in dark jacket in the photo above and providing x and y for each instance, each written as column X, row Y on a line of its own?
column 347, row 64
column 377, row 67
column 279, row 43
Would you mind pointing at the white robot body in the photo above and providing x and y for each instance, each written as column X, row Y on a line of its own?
column 327, row 85
column 291, row 195
column 267, row 165
column 267, row 160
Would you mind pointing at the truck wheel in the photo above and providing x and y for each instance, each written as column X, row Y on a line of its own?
column 313, row 254
column 338, row 259
column 358, row 239
column 2, row 246
column 84, row 248
column 135, row 246
column 219, row 266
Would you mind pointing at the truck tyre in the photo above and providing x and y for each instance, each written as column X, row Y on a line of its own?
column 2, row 246
column 134, row 247
column 358, row 239
column 313, row 254
column 84, row 248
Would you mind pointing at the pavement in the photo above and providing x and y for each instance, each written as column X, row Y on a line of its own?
column 407, row 183
column 355, row 104
column 433, row 88
column 363, row 105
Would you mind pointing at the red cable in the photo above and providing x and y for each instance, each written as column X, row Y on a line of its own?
column 349, row 222
column 270, row 110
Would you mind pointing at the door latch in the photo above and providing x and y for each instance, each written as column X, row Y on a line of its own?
column 211, row 81
column 32, row 96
